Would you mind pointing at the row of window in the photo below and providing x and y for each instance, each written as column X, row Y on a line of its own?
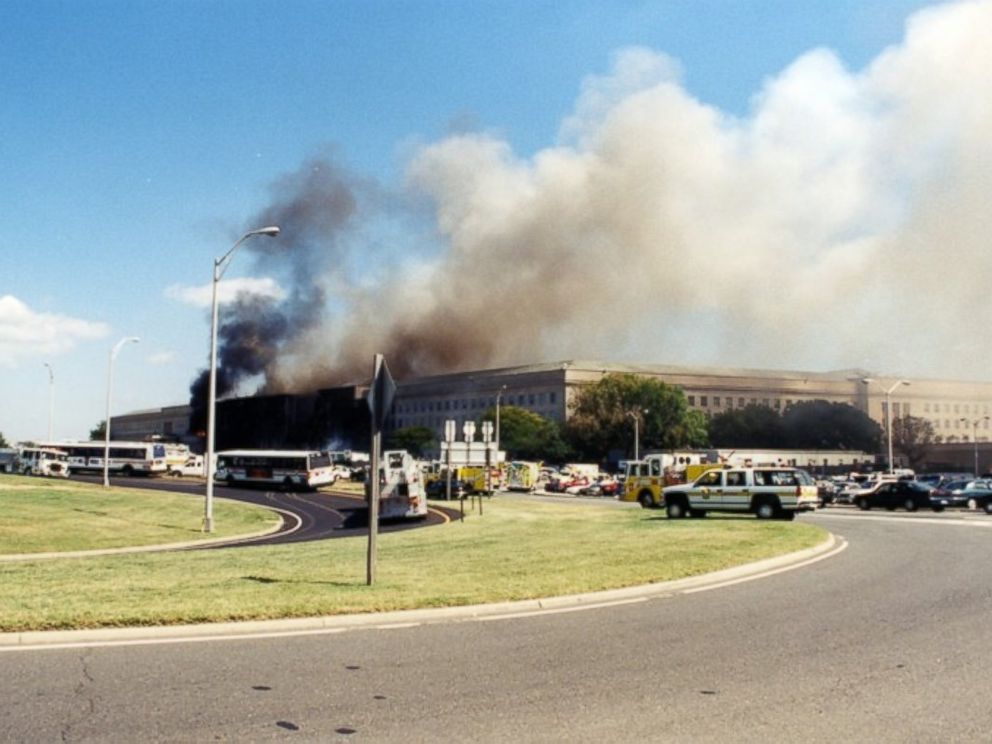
column 956, row 423
column 972, row 409
column 477, row 404
column 715, row 401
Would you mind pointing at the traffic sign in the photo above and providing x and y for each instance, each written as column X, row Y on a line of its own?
column 381, row 393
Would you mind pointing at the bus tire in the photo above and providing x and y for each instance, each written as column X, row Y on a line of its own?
column 646, row 500
column 127, row 471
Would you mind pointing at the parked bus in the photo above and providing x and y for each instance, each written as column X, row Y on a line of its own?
column 290, row 468
column 128, row 458
column 45, row 461
column 8, row 460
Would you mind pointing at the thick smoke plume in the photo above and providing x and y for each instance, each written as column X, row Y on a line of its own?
column 843, row 222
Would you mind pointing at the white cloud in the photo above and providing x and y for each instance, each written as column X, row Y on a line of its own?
column 227, row 291
column 162, row 358
column 25, row 333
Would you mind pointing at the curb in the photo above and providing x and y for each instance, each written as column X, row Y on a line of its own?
column 406, row 618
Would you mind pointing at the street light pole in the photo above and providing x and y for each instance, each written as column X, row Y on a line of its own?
column 974, row 436
column 636, row 415
column 106, row 424
column 220, row 266
column 888, row 408
column 499, row 396
column 51, row 400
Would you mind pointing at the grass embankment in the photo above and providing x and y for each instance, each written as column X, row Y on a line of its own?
column 517, row 550
column 39, row 515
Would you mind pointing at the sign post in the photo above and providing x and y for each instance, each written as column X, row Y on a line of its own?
column 468, row 429
column 380, row 400
column 487, row 438
column 449, row 437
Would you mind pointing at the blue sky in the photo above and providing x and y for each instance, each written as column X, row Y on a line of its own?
column 137, row 140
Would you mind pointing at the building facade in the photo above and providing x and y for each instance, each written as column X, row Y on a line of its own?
column 959, row 411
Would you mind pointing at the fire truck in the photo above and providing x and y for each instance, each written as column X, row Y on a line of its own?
column 644, row 479
column 401, row 487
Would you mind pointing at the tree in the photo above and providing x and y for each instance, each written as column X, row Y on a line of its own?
column 99, row 431
column 751, row 427
column 417, row 440
column 3, row 440
column 525, row 435
column 913, row 437
column 820, row 424
column 601, row 417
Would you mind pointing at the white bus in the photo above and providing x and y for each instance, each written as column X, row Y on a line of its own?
column 45, row 461
column 290, row 468
column 401, row 487
column 128, row 458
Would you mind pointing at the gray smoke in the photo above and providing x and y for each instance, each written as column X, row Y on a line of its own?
column 843, row 222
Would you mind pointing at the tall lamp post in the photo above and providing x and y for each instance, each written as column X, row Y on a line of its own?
column 636, row 415
column 220, row 266
column 51, row 400
column 888, row 407
column 106, row 424
column 499, row 396
column 974, row 436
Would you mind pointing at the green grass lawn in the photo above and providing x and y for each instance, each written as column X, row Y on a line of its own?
column 517, row 550
column 50, row 515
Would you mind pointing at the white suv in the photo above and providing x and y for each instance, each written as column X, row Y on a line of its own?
column 767, row 492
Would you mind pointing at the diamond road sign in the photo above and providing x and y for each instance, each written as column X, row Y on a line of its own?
column 381, row 393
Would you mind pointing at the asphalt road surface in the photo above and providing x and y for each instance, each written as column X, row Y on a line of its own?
column 318, row 514
column 884, row 642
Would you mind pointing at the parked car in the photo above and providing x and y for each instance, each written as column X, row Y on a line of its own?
column 438, row 489
column 601, row 487
column 980, row 498
column 826, row 490
column 909, row 495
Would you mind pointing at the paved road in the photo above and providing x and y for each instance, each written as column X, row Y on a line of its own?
column 886, row 642
column 318, row 515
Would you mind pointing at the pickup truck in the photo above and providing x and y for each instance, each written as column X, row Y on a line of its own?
column 766, row 492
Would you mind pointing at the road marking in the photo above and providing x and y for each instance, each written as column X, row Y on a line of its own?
column 841, row 546
column 173, row 640
column 560, row 610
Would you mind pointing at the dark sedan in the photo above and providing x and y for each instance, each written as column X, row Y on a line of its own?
column 977, row 498
column 908, row 495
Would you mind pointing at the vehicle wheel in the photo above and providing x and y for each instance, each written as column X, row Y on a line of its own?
column 938, row 508
column 862, row 504
column 972, row 504
column 128, row 471
column 675, row 510
column 230, row 481
column 697, row 513
column 988, row 507
column 909, row 505
column 766, row 510
column 645, row 500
